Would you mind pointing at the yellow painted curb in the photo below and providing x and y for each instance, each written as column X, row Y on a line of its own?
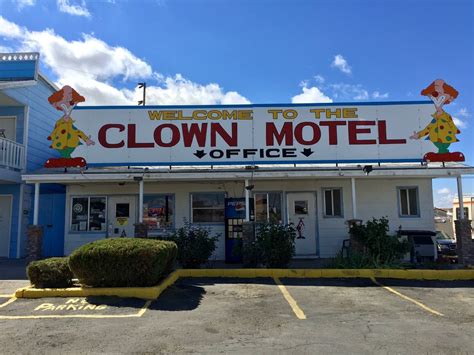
column 148, row 293
column 151, row 293
column 409, row 274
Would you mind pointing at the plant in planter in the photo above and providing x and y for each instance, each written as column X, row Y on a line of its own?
column 274, row 245
column 195, row 246
column 379, row 249
column 123, row 262
column 50, row 273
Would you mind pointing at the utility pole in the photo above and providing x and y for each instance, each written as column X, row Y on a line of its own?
column 142, row 85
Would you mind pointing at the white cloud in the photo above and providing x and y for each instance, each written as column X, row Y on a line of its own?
column 9, row 29
column 340, row 63
column 319, row 79
column 343, row 91
column 463, row 112
column 310, row 95
column 21, row 4
column 304, row 83
column 73, row 9
column 4, row 49
column 444, row 198
column 459, row 123
column 179, row 90
column 92, row 67
column 378, row 95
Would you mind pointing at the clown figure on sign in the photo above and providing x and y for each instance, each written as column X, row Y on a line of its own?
column 66, row 137
column 441, row 130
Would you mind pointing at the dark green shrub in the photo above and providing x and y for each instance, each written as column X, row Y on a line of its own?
column 251, row 254
column 378, row 247
column 123, row 262
column 195, row 246
column 50, row 273
column 274, row 245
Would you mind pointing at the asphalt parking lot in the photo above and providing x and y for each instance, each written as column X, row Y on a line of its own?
column 248, row 316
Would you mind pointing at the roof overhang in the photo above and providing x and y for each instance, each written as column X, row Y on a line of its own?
column 229, row 174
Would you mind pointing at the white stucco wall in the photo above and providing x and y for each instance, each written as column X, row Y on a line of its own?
column 375, row 198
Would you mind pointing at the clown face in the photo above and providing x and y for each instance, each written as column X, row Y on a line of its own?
column 439, row 94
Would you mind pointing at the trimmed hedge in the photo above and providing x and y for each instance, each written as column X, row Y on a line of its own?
column 123, row 262
column 50, row 273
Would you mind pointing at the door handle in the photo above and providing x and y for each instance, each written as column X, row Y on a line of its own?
column 49, row 226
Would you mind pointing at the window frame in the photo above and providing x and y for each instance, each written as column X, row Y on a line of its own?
column 399, row 202
column 457, row 211
column 173, row 206
column 324, row 189
column 191, row 215
column 70, row 231
column 267, row 192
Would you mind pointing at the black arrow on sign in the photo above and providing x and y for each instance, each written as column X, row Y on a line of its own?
column 199, row 153
column 307, row 152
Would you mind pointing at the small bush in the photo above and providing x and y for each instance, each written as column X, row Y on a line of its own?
column 379, row 249
column 50, row 273
column 123, row 262
column 274, row 245
column 360, row 261
column 195, row 246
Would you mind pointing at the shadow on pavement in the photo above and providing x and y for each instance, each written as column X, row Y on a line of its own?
column 364, row 282
column 428, row 283
column 333, row 282
column 179, row 297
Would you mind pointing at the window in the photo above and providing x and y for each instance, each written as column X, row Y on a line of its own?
column 267, row 207
column 88, row 214
column 466, row 213
column 408, row 201
column 332, row 202
column 208, row 207
column 158, row 212
column 301, row 207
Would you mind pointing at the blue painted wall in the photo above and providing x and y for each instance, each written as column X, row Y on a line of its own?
column 13, row 189
column 41, row 121
column 20, row 119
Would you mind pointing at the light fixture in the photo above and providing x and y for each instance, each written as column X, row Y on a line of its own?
column 367, row 169
column 142, row 86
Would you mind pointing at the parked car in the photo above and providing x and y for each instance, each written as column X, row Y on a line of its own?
column 446, row 247
column 422, row 243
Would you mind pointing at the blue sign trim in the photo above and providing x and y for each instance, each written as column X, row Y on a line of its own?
column 276, row 162
column 384, row 103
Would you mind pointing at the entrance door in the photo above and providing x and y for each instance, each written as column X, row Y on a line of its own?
column 5, row 224
column 301, row 210
column 122, row 215
column 51, row 217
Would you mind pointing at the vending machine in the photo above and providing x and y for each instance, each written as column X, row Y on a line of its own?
column 234, row 221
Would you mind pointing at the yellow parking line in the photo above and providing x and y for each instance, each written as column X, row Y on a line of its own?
column 291, row 301
column 419, row 304
column 11, row 300
column 7, row 296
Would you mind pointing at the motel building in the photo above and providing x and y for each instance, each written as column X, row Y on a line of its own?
column 126, row 171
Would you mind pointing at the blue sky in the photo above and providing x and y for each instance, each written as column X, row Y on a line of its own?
column 254, row 51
